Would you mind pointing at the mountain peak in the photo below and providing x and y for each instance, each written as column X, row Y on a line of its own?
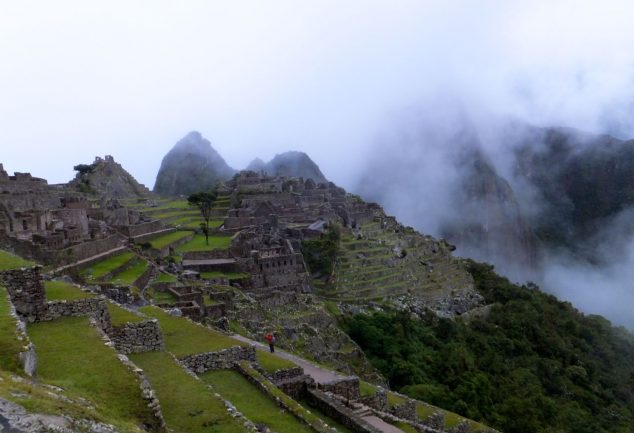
column 191, row 165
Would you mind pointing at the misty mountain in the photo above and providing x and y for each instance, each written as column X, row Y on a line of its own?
column 291, row 164
column 583, row 181
column 106, row 177
column 191, row 165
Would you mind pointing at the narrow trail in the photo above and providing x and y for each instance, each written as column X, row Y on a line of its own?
column 321, row 375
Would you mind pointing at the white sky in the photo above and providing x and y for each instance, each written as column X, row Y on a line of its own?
column 129, row 78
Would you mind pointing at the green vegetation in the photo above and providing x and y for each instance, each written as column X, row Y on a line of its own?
column 71, row 355
column 120, row 316
column 163, row 241
column 312, row 419
column 183, row 337
column 320, row 254
column 227, row 275
column 11, row 261
column 104, row 267
column 61, row 290
column 159, row 297
column 204, row 202
column 533, row 364
column 166, row 278
column 199, row 243
column 133, row 273
column 271, row 363
column 10, row 346
column 255, row 405
column 187, row 404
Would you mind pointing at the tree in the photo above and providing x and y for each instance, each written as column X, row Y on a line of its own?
column 204, row 201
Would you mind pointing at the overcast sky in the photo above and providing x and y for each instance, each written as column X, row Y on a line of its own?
column 129, row 78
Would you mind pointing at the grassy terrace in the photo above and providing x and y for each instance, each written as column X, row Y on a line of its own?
column 227, row 275
column 11, row 261
column 271, row 363
column 10, row 346
column 198, row 243
column 63, row 291
column 163, row 241
column 120, row 316
column 130, row 275
column 255, row 405
column 165, row 278
column 187, row 404
column 183, row 337
column 100, row 269
column 159, row 297
column 71, row 354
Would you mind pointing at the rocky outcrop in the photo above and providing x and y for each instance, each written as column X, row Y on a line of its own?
column 192, row 165
column 291, row 164
column 106, row 177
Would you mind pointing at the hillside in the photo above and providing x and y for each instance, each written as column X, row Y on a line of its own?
column 291, row 164
column 191, row 165
column 105, row 177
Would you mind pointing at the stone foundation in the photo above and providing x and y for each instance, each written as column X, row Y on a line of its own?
column 92, row 307
column 223, row 359
column 334, row 409
column 139, row 337
column 347, row 388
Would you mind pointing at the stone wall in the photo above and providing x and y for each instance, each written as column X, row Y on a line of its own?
column 145, row 238
column 144, row 279
column 26, row 292
column 91, row 307
column 337, row 411
column 88, row 249
column 405, row 410
column 139, row 337
column 215, row 311
column 137, row 230
column 377, row 401
column 227, row 358
column 286, row 374
column 348, row 387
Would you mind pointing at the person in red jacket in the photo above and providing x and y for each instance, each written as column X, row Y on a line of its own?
column 270, row 338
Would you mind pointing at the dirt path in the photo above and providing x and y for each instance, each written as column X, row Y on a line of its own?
column 321, row 375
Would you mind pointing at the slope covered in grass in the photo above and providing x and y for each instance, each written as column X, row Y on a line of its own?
column 188, row 406
column 255, row 405
column 10, row 346
column 72, row 355
column 11, row 261
column 183, row 337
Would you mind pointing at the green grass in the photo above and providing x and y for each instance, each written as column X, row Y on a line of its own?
column 405, row 427
column 63, row 291
column 367, row 389
column 100, row 269
column 130, row 275
column 159, row 297
column 11, row 261
column 120, row 316
column 394, row 399
column 271, row 363
column 296, row 407
column 255, row 405
column 10, row 346
column 72, row 355
column 187, row 404
column 183, row 337
column 198, row 244
column 163, row 241
column 165, row 278
column 227, row 275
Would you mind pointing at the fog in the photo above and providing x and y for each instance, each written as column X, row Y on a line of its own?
column 347, row 82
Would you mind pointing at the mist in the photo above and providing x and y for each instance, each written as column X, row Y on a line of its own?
column 397, row 89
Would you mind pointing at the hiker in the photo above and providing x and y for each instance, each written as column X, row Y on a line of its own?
column 270, row 338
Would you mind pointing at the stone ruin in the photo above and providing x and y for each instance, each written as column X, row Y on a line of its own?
column 57, row 224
